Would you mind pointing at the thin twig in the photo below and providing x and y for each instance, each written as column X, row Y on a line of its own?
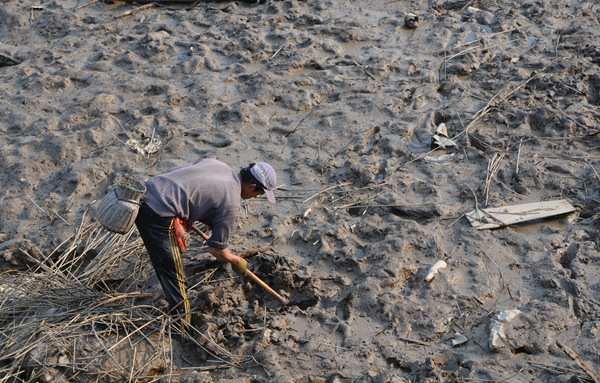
column 301, row 121
column 518, row 157
column 135, row 10
column 364, row 70
column 354, row 203
column 276, row 52
column 490, row 310
column 494, row 35
column 414, row 341
column 573, row 355
column 502, row 284
column 453, row 222
column 58, row 215
column 324, row 344
column 88, row 3
column 493, row 166
column 325, row 190
column 556, row 369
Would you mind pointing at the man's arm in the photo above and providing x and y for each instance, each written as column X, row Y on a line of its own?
column 224, row 255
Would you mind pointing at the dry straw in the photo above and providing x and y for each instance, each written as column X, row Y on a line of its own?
column 62, row 318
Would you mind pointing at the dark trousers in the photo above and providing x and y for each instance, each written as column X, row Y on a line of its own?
column 158, row 234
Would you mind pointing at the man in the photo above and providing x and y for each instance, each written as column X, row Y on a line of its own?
column 208, row 191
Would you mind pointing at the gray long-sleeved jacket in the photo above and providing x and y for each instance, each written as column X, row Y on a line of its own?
column 207, row 191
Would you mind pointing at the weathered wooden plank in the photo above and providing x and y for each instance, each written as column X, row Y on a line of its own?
column 493, row 218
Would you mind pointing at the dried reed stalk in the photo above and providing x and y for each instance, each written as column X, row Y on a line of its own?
column 49, row 314
column 493, row 167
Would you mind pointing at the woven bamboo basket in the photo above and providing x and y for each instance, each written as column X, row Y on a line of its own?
column 119, row 208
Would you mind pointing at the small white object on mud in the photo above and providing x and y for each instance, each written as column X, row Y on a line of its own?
column 459, row 339
column 441, row 264
column 441, row 139
column 145, row 147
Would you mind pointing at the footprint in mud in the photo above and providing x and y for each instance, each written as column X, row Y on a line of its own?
column 343, row 308
column 594, row 90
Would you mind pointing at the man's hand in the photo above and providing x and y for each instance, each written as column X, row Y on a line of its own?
column 239, row 268
column 238, row 264
column 180, row 227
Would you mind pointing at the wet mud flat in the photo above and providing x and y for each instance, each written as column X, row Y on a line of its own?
column 344, row 99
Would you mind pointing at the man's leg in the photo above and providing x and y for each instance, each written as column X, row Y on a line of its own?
column 158, row 234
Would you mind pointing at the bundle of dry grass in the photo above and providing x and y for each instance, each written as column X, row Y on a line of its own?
column 62, row 322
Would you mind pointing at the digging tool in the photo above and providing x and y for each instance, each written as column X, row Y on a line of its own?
column 249, row 273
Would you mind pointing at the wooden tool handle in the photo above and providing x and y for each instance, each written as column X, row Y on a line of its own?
column 258, row 281
column 200, row 232
column 249, row 273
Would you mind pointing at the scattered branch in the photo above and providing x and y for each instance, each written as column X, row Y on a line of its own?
column 135, row 10
column 573, row 355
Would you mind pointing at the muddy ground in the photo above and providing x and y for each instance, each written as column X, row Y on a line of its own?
column 343, row 99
